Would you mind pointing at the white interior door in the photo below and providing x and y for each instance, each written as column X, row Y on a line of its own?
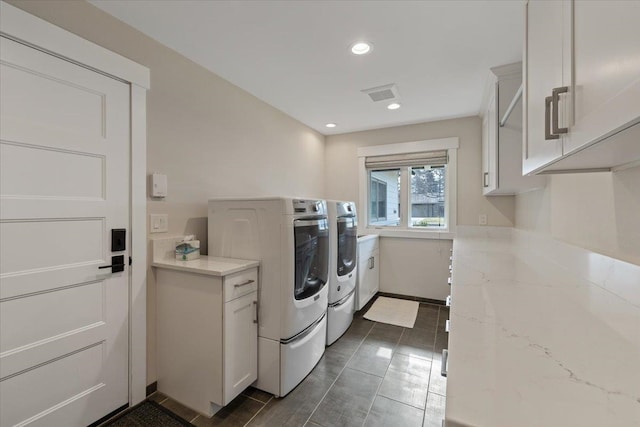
column 64, row 184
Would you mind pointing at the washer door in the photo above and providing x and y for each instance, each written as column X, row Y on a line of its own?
column 347, row 245
column 312, row 256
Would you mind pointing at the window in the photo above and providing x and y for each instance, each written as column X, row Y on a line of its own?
column 428, row 196
column 378, row 198
column 384, row 197
column 412, row 190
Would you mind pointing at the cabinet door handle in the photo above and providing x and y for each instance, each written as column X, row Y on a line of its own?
column 372, row 263
column 485, row 179
column 239, row 285
column 255, row 315
column 555, row 100
column 547, row 120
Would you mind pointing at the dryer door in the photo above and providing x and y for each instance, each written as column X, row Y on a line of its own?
column 312, row 256
column 347, row 245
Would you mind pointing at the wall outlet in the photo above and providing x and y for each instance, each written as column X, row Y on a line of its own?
column 482, row 219
column 158, row 223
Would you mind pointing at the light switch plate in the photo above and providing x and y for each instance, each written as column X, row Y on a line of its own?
column 158, row 185
column 158, row 223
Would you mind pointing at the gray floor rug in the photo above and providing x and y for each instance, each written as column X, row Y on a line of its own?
column 147, row 414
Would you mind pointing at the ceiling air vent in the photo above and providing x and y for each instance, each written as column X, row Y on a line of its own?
column 382, row 93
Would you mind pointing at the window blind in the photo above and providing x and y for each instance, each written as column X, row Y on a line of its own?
column 426, row 158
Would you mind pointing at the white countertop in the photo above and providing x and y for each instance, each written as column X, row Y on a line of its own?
column 535, row 343
column 163, row 254
column 213, row 266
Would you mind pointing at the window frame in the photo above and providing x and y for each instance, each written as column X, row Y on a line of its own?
column 405, row 229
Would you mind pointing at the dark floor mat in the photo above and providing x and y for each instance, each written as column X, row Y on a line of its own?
column 147, row 414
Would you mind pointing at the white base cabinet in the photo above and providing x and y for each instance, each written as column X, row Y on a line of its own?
column 207, row 336
column 368, row 282
column 582, row 85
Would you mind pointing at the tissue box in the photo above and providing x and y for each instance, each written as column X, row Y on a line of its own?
column 186, row 251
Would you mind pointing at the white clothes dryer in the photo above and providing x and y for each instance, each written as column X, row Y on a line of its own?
column 290, row 237
column 343, row 233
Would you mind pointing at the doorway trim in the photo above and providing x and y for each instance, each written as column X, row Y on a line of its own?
column 32, row 31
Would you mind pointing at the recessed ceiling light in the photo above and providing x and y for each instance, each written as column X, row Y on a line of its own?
column 360, row 48
column 393, row 106
column 330, row 125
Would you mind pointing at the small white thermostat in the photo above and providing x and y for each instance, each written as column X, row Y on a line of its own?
column 158, row 185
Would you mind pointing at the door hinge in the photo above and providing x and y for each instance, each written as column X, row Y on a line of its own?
column 130, row 260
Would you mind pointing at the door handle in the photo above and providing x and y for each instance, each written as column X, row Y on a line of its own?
column 485, row 179
column 555, row 100
column 444, row 369
column 255, row 318
column 117, row 264
column 547, row 120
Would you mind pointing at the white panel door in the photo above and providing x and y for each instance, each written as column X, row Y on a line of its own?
column 544, row 71
column 64, row 184
column 606, row 60
column 240, row 345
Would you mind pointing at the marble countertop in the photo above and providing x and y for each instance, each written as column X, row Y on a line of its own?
column 163, row 253
column 538, row 340
column 213, row 266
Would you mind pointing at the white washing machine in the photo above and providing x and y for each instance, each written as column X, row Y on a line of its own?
column 290, row 237
column 343, row 234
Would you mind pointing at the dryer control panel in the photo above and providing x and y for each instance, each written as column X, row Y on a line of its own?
column 310, row 207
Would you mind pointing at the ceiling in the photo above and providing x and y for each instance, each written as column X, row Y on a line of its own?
column 295, row 55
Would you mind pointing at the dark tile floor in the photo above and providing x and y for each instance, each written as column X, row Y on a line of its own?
column 374, row 375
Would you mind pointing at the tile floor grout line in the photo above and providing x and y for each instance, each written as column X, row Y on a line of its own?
column 341, row 371
column 259, row 410
column 385, row 374
column 405, row 403
column 435, row 340
column 253, row 398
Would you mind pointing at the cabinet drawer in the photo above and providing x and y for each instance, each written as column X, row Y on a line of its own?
column 241, row 283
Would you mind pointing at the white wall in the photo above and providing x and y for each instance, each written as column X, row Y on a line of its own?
column 419, row 266
column 596, row 211
column 208, row 136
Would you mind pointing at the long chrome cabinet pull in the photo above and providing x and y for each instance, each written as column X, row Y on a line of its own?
column 443, row 369
column 239, row 285
column 555, row 100
column 547, row 120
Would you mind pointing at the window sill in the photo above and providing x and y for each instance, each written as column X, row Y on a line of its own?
column 410, row 234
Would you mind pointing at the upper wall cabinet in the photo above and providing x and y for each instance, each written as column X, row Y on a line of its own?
column 582, row 85
column 502, row 135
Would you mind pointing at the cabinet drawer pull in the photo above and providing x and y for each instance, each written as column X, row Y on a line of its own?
column 445, row 357
column 255, row 316
column 555, row 100
column 485, row 179
column 239, row 285
column 547, row 120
